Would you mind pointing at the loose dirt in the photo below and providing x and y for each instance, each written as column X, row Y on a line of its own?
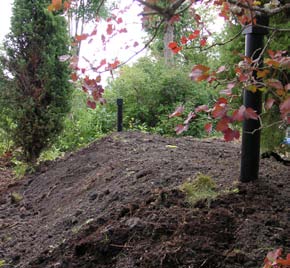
column 118, row 204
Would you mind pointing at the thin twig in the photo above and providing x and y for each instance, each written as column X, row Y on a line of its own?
column 263, row 127
column 269, row 12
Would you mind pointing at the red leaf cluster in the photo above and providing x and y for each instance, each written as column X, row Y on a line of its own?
column 178, row 112
column 274, row 259
column 199, row 73
column 174, row 47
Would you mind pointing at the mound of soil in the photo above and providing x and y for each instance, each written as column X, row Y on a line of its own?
column 117, row 204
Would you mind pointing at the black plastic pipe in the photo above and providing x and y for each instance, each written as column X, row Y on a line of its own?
column 250, row 158
column 120, row 115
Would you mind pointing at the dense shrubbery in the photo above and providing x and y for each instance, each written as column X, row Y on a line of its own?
column 83, row 125
column 151, row 91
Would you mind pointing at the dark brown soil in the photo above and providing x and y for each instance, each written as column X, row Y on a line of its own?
column 117, row 204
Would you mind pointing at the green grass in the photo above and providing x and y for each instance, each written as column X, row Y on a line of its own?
column 202, row 187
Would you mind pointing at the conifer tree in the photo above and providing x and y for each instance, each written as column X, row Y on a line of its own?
column 39, row 89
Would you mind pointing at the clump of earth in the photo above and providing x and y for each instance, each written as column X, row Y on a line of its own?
column 119, row 203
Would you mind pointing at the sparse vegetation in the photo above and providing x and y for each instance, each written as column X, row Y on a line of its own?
column 200, row 187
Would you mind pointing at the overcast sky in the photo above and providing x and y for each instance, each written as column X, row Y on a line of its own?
column 115, row 48
column 5, row 14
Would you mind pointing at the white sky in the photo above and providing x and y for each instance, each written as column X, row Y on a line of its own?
column 115, row 48
column 5, row 14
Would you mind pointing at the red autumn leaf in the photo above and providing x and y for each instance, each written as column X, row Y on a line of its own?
column 203, row 41
column 222, row 100
column 228, row 90
column 223, row 124
column 274, row 83
column 285, row 62
column 219, row 110
column 174, row 47
column 119, row 20
column 98, row 79
column 74, row 62
column 238, row 115
column 285, row 107
column 221, row 69
column 197, row 18
column 94, row 32
column 91, row 104
column 271, row 53
column 194, row 35
column 183, row 40
column 97, row 92
column 273, row 255
column 123, row 30
column 181, row 128
column 250, row 113
column 208, row 127
column 57, row 4
column 269, row 103
column 50, row 8
column 66, row 5
column 178, row 112
column 243, row 77
column 109, row 29
column 82, row 37
column 174, row 19
column 262, row 73
column 272, row 63
column 230, row 135
column 74, row 77
column 283, row 262
column 113, row 65
column 102, row 63
column 176, row 50
column 190, row 116
column 201, row 108
column 199, row 72
column 103, row 38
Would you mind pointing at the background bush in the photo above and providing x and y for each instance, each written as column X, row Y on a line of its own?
column 151, row 91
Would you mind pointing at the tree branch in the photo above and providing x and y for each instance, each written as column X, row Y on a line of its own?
column 157, row 8
column 264, row 10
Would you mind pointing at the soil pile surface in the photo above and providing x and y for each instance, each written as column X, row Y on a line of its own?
column 118, row 204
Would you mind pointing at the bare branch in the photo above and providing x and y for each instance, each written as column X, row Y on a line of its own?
column 157, row 8
column 264, row 10
column 176, row 5
column 137, row 52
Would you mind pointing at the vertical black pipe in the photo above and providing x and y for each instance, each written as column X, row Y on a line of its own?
column 251, row 135
column 120, row 115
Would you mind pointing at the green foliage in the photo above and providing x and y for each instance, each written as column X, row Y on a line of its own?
column 16, row 197
column 151, row 91
column 272, row 136
column 201, row 187
column 38, row 95
column 83, row 125
column 2, row 263
column 229, row 53
column 6, row 124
